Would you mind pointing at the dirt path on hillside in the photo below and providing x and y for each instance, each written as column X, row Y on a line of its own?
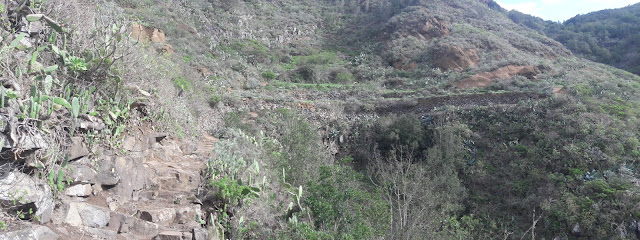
column 431, row 103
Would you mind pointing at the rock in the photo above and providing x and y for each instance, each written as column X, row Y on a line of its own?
column 129, row 144
column 199, row 234
column 113, row 206
column 139, row 227
column 187, row 214
column 32, row 233
column 84, row 214
column 133, row 176
column 144, row 33
column 96, row 189
column 77, row 149
column 107, row 175
column 116, row 221
column 80, row 173
column 18, row 190
column 161, row 216
column 101, row 233
column 170, row 235
column 80, row 190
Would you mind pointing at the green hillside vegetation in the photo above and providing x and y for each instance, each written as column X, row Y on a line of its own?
column 350, row 119
column 607, row 36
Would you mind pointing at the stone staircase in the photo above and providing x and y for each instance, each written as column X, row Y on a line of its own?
column 146, row 192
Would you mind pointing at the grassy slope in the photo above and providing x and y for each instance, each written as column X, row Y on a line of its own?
column 507, row 163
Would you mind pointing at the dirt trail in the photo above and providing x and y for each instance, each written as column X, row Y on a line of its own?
column 429, row 104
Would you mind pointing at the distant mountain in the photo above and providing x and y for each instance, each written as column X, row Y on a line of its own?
column 608, row 36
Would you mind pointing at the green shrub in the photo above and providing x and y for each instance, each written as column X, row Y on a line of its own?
column 233, row 191
column 214, row 100
column 344, row 206
column 269, row 75
column 182, row 83
column 344, row 77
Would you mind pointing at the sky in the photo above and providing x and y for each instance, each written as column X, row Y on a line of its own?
column 561, row 10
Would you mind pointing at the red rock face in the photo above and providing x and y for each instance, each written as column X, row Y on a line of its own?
column 144, row 33
column 482, row 80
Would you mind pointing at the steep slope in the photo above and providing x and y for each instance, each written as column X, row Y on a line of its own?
column 335, row 119
column 607, row 36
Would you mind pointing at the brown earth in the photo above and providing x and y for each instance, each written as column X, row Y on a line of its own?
column 559, row 91
column 405, row 64
column 482, row 80
column 432, row 28
column 149, row 34
column 455, row 58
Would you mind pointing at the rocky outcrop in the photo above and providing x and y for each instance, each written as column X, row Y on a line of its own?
column 153, row 35
column 21, row 192
column 482, row 80
column 149, row 34
column 83, row 214
column 455, row 58
column 31, row 233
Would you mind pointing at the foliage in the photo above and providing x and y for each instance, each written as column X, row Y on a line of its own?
column 269, row 75
column 606, row 36
column 233, row 191
column 214, row 100
column 344, row 206
column 182, row 83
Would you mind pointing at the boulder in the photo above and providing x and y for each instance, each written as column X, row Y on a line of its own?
column 83, row 214
column 31, row 233
column 81, row 174
column 107, row 175
column 187, row 214
column 80, row 190
column 162, row 216
column 77, row 149
column 101, row 233
column 133, row 176
column 116, row 221
column 18, row 190
column 139, row 227
column 131, row 144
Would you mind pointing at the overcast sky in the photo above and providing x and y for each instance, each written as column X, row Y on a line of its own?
column 561, row 10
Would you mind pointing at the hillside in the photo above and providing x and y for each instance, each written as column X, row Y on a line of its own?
column 285, row 119
column 607, row 36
